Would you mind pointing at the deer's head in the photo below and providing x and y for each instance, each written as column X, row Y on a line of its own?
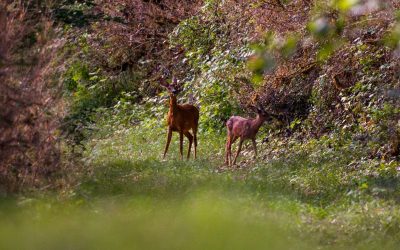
column 174, row 88
column 261, row 111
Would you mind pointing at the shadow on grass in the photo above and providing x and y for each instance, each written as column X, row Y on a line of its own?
column 152, row 177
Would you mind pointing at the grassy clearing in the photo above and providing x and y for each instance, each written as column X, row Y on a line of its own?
column 130, row 198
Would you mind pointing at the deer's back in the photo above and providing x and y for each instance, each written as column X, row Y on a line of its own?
column 240, row 127
column 186, row 117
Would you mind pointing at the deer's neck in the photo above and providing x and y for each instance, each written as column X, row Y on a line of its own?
column 173, row 104
column 256, row 123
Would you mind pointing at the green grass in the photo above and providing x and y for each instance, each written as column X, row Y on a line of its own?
column 127, row 197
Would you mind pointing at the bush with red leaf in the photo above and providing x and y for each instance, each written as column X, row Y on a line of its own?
column 29, row 154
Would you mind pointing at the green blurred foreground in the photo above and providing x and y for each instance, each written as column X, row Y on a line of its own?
column 128, row 198
column 203, row 221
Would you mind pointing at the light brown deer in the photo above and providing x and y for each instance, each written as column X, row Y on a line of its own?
column 243, row 128
column 181, row 118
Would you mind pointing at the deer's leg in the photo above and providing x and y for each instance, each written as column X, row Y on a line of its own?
column 231, row 140
column 255, row 147
column 228, row 151
column 190, row 138
column 168, row 141
column 239, row 148
column 181, row 144
column 195, row 142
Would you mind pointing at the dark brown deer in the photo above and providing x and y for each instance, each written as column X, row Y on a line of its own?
column 181, row 118
column 243, row 128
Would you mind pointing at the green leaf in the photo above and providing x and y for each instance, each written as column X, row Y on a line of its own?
column 345, row 5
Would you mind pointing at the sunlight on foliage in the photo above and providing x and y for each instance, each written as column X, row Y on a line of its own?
column 345, row 5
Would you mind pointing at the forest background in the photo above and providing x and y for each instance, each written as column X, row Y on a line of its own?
column 82, row 123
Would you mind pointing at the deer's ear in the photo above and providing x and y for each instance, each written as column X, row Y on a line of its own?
column 174, row 80
column 164, row 86
column 164, row 83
